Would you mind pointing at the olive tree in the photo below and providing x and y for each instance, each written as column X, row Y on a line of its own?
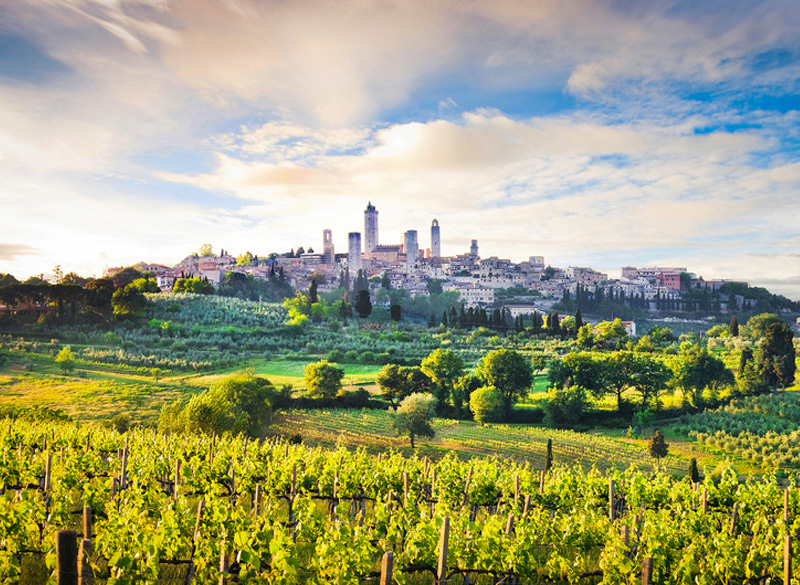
column 414, row 415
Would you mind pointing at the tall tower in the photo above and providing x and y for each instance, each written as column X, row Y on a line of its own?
column 354, row 252
column 473, row 249
column 328, row 256
column 412, row 249
column 370, row 229
column 436, row 241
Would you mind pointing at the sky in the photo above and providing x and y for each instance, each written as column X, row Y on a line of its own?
column 594, row 133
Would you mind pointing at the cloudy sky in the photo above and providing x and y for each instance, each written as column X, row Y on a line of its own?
column 592, row 132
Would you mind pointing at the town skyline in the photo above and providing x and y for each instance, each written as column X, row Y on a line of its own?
column 597, row 133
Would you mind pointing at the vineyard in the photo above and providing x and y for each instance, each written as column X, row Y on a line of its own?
column 179, row 509
column 372, row 430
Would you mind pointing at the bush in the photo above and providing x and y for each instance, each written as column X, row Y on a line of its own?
column 565, row 405
column 486, row 404
column 119, row 422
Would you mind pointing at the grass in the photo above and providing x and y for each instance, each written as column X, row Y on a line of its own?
column 282, row 371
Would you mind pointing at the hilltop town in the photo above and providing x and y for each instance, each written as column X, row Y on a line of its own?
column 522, row 287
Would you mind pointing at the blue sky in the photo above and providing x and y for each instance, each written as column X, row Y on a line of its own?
column 595, row 133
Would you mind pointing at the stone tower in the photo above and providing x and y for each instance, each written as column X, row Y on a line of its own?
column 436, row 241
column 473, row 249
column 328, row 257
column 370, row 229
column 354, row 252
column 412, row 249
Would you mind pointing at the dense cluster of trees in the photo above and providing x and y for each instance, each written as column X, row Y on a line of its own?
column 239, row 403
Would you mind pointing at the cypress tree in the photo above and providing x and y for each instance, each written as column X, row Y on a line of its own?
column 548, row 458
column 734, row 326
column 693, row 472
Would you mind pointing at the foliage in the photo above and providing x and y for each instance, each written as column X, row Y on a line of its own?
column 657, row 447
column 128, row 302
column 565, row 405
column 195, row 285
column 509, row 372
column 323, row 379
column 696, row 369
column 66, row 359
column 414, row 416
column 486, row 404
column 239, row 403
column 444, row 368
column 776, row 356
column 363, row 304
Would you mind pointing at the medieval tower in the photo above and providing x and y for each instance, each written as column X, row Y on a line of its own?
column 436, row 240
column 370, row 229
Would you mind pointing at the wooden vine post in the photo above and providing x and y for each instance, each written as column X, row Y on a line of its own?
column 611, row 513
column 87, row 522
column 444, row 537
column 85, row 575
column 647, row 571
column 387, row 564
column 734, row 517
column 787, row 561
column 67, row 557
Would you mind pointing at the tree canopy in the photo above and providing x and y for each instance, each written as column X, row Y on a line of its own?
column 323, row 379
column 414, row 415
column 509, row 372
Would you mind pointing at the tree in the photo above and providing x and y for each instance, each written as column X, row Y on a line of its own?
column 486, row 404
column 66, row 360
column 312, row 292
column 696, row 369
column 396, row 312
column 443, row 367
column 195, row 285
column 658, row 448
column 414, row 415
column 734, row 326
column 145, row 285
column 99, row 293
column 758, row 324
column 565, row 405
column 363, row 304
column 610, row 331
column 581, row 369
column 435, row 287
column 585, row 339
column 509, row 372
column 649, row 378
column 391, row 379
column 694, row 473
column 128, row 302
column 776, row 356
column 245, row 259
column 578, row 318
column 206, row 250
column 323, row 379
column 73, row 278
